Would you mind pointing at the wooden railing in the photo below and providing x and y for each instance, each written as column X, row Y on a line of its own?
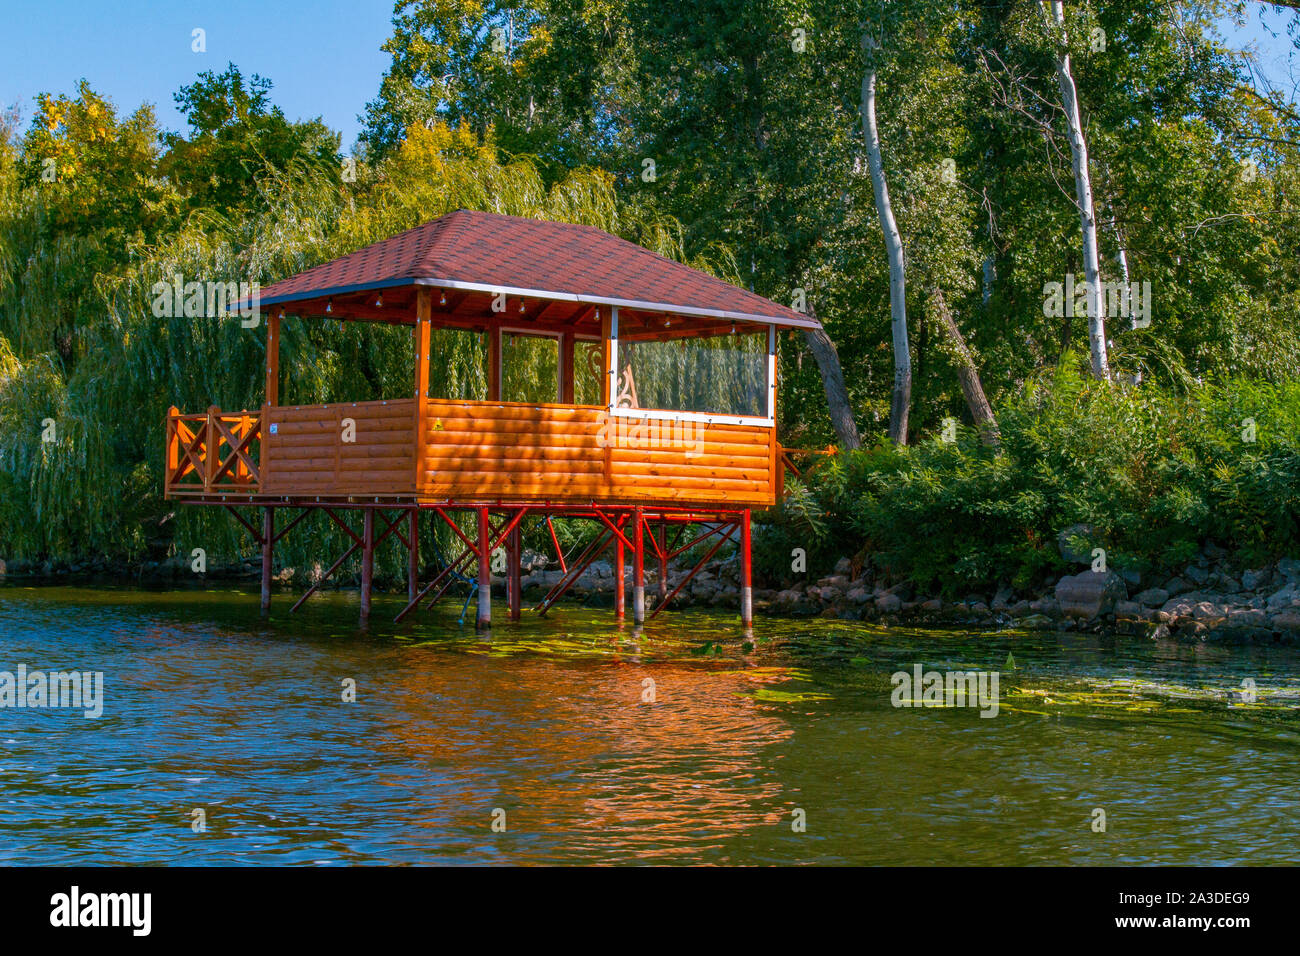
column 213, row 452
column 470, row 451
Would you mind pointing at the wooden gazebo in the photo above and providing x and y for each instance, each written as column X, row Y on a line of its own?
column 594, row 452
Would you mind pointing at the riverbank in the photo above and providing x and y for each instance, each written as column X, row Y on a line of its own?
column 1209, row 600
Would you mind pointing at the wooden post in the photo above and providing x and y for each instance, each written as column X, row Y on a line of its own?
column 273, row 359
column 638, row 568
column 211, row 449
column 607, row 383
column 423, row 325
column 367, row 560
column 620, row 586
column 494, row 363
column 514, row 580
column 484, row 571
column 566, row 368
column 173, row 447
column 413, row 553
column 746, row 572
column 268, row 543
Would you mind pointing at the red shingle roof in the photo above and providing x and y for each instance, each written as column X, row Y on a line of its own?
column 534, row 257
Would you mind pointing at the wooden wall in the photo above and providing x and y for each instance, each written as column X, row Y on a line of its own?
column 490, row 451
column 303, row 451
column 557, row 453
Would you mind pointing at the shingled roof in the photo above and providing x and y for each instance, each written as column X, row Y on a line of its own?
column 489, row 253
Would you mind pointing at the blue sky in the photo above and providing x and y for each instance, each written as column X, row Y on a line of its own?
column 322, row 55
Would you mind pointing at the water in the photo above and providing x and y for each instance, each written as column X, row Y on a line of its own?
column 209, row 706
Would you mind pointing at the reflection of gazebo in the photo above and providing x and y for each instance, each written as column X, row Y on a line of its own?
column 698, row 353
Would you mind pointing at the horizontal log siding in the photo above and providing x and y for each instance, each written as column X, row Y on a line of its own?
column 487, row 450
column 306, row 454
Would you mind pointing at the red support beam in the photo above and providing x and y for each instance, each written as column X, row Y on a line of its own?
column 367, row 560
column 268, row 546
column 746, row 572
column 412, row 553
column 620, row 586
column 638, row 567
column 484, row 619
column 514, row 580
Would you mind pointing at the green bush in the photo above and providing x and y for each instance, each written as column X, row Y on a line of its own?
column 1154, row 472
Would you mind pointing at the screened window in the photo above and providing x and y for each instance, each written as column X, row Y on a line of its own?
column 721, row 375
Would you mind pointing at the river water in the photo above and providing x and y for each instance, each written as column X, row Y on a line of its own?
column 544, row 742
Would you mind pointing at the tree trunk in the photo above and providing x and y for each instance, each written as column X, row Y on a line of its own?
column 1083, row 199
column 901, row 401
column 968, row 375
column 837, row 396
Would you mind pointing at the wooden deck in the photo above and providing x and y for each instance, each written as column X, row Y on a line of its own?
column 469, row 452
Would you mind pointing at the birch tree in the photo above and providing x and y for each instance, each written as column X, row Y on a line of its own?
column 901, row 399
column 1083, row 197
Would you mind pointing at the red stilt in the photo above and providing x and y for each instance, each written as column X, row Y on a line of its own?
column 413, row 554
column 638, row 567
column 514, row 583
column 663, row 561
column 367, row 560
column 620, row 586
column 484, row 571
column 746, row 572
column 268, row 543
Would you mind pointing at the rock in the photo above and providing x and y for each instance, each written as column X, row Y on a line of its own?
column 1287, row 621
column 1196, row 575
column 1213, row 551
column 1254, row 580
column 1284, row 598
column 858, row 596
column 843, row 566
column 933, row 605
column 1153, row 597
column 840, row 581
column 1289, row 568
column 1131, row 578
column 1129, row 610
column 1075, row 543
column 1247, row 618
column 1090, row 594
column 1032, row 622
column 1019, row 609
column 889, row 603
column 1209, row 614
column 1002, row 600
column 1046, row 606
column 1161, row 632
column 1176, row 586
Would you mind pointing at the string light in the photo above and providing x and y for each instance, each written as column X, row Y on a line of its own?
column 329, row 306
column 379, row 302
column 442, row 299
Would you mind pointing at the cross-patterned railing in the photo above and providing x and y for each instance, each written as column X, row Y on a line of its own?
column 219, row 451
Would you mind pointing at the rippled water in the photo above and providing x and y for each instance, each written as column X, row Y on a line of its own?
column 209, row 706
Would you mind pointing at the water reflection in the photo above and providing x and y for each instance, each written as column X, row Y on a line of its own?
column 684, row 741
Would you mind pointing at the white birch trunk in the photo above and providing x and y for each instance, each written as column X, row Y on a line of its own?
column 901, row 401
column 1087, row 210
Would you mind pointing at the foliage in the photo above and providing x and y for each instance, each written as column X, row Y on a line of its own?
column 1153, row 471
